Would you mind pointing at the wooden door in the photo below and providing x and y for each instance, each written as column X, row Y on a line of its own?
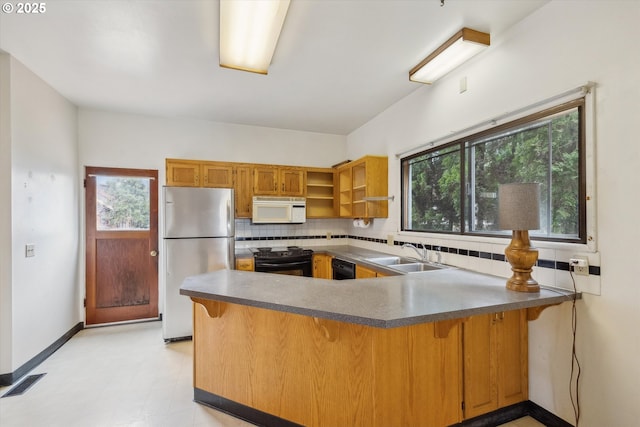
column 121, row 244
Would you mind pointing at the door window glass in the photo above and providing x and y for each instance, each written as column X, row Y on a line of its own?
column 122, row 203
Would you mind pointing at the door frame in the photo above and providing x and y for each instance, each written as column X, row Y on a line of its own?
column 89, row 250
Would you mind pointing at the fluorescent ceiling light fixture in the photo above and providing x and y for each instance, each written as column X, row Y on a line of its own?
column 465, row 44
column 249, row 32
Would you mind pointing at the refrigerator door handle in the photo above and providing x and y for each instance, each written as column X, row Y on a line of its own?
column 230, row 217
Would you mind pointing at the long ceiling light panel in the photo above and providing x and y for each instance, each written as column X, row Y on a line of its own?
column 465, row 44
column 249, row 32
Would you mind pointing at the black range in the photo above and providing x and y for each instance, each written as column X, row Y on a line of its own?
column 291, row 260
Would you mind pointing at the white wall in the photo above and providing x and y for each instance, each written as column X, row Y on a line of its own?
column 126, row 140
column 5, row 214
column 562, row 45
column 44, row 202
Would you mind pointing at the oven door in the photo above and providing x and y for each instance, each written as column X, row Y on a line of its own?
column 293, row 267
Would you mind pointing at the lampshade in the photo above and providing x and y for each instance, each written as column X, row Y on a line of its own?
column 249, row 32
column 519, row 206
column 465, row 44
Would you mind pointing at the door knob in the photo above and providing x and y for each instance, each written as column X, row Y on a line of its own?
column 154, row 253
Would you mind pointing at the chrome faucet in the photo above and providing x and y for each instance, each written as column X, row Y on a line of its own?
column 424, row 254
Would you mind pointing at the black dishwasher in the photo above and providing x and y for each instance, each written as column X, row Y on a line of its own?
column 343, row 270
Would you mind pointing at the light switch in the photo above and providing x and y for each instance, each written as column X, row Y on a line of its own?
column 29, row 250
column 463, row 84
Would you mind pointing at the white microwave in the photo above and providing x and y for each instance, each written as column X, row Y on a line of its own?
column 279, row 210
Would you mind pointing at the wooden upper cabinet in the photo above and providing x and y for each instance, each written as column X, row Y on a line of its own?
column 320, row 193
column 244, row 191
column 276, row 181
column 217, row 175
column 361, row 179
column 183, row 173
column 292, row 182
column 265, row 181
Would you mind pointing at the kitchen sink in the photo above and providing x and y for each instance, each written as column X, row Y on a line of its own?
column 390, row 260
column 416, row 267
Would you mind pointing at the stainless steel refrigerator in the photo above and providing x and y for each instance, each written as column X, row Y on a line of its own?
column 198, row 236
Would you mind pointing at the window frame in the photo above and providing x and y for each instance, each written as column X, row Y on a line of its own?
column 462, row 142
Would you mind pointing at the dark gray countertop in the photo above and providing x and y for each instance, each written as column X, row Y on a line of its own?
column 384, row 302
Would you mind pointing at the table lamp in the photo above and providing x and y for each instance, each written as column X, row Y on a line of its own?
column 519, row 210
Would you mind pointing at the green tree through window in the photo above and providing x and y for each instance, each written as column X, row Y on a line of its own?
column 122, row 203
column 544, row 148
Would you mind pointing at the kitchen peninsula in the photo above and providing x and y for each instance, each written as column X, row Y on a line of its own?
column 403, row 350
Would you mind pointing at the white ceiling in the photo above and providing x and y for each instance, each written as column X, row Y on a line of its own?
column 338, row 62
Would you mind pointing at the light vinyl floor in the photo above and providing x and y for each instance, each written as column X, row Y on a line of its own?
column 120, row 376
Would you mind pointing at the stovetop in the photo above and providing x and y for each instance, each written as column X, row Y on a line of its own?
column 279, row 252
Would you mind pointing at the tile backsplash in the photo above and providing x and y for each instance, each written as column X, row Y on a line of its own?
column 552, row 268
column 314, row 232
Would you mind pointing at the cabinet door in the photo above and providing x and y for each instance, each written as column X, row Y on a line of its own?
column 495, row 361
column 322, row 266
column 291, row 182
column 243, row 192
column 217, row 175
column 183, row 173
column 245, row 264
column 364, row 272
column 480, row 374
column 265, row 181
column 513, row 356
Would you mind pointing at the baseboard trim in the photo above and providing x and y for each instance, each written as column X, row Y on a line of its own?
column 239, row 410
column 10, row 378
column 545, row 417
column 500, row 416
column 513, row 412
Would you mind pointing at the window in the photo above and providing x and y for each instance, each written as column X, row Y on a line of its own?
column 122, row 203
column 453, row 188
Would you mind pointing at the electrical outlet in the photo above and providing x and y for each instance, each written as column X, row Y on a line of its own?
column 390, row 239
column 29, row 250
column 580, row 266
